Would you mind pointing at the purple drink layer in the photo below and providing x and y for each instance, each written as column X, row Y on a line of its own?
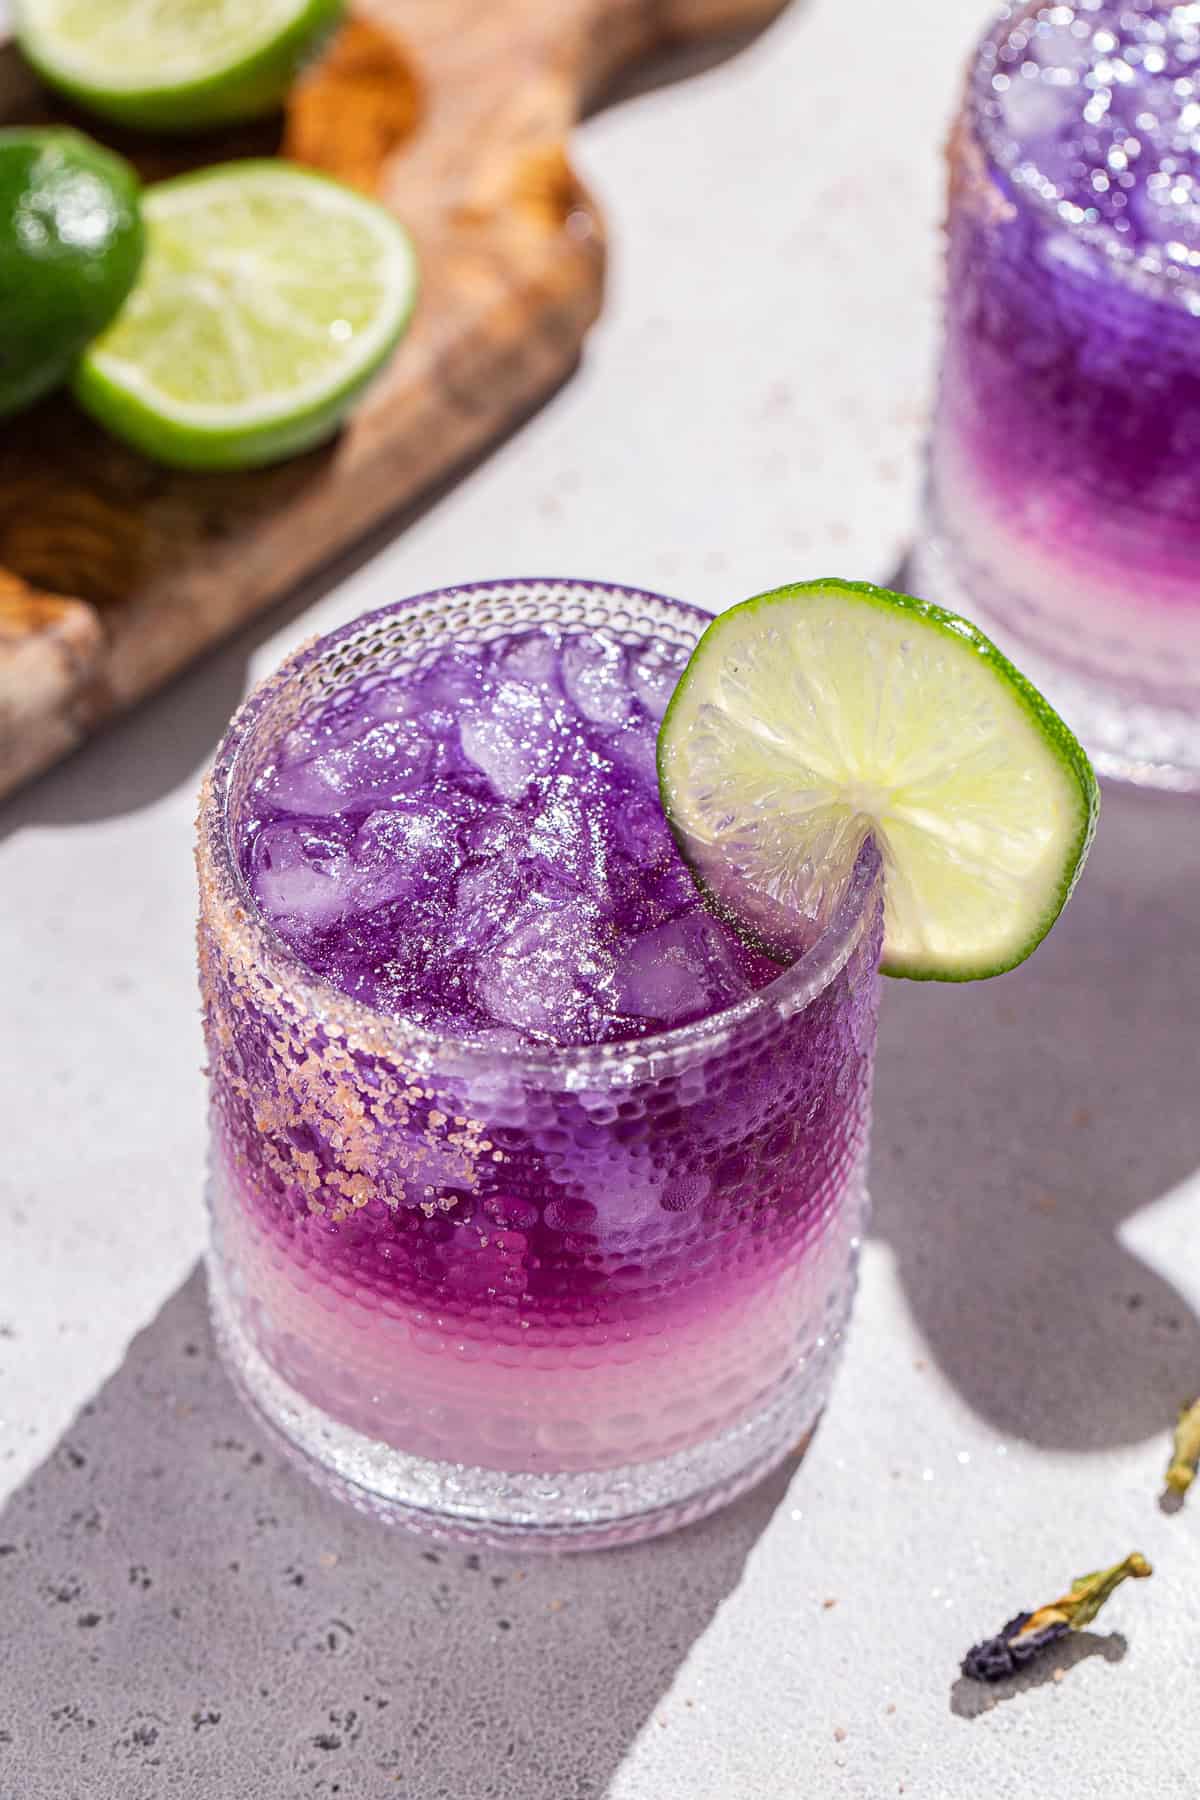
column 1065, row 474
column 479, row 847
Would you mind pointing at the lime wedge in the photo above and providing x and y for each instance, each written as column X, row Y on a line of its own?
column 172, row 65
column 268, row 298
column 819, row 714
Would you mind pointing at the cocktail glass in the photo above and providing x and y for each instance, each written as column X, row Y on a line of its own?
column 553, row 1295
column 1064, row 487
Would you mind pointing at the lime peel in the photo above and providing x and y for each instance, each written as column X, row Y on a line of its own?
column 71, row 246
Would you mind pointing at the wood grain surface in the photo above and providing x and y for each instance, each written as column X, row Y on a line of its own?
column 456, row 114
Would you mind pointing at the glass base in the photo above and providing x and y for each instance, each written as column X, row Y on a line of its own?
column 542, row 1511
column 1129, row 736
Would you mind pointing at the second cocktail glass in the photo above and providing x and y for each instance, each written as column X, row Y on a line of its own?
column 1064, row 501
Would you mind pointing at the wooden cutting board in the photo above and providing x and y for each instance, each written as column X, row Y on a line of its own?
column 456, row 113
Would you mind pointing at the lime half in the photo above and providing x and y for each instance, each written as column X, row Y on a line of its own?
column 172, row 65
column 269, row 298
column 819, row 714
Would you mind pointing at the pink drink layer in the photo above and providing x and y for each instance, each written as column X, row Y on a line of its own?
column 1065, row 474
column 483, row 1249
column 480, row 848
column 508, row 1385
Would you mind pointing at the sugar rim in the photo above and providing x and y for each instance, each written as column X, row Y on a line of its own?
column 228, row 905
column 1147, row 271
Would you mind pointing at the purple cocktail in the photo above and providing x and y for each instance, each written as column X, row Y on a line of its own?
column 1065, row 467
column 536, row 1193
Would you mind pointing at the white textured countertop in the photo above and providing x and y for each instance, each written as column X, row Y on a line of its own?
column 750, row 411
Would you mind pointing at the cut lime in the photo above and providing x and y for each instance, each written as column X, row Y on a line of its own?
column 172, row 65
column 269, row 298
column 819, row 714
column 71, row 245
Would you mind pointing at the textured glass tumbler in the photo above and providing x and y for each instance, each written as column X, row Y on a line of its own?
column 554, row 1297
column 1064, row 489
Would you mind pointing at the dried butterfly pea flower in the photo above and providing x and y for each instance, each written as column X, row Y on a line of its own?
column 1185, row 1457
column 1026, row 1636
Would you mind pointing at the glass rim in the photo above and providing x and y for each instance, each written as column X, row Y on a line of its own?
column 1146, row 271
column 395, row 1036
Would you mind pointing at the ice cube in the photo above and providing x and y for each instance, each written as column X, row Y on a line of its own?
column 1168, row 210
column 298, row 874
column 677, row 971
column 337, row 723
column 498, row 832
column 544, row 977
column 654, row 673
column 393, row 699
column 634, row 746
column 1058, row 47
column 400, row 853
column 485, row 897
column 641, row 830
column 568, row 842
column 669, row 885
column 393, row 757
column 1035, row 109
column 531, row 658
column 595, row 676
column 456, row 680
column 304, row 787
column 512, row 740
column 300, row 742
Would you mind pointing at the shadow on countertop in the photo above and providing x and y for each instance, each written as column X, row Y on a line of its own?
column 1021, row 1121
column 194, row 1617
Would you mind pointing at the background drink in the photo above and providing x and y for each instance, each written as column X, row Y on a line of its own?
column 1064, row 507
column 524, row 1168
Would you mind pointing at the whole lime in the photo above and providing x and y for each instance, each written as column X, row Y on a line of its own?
column 71, row 244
